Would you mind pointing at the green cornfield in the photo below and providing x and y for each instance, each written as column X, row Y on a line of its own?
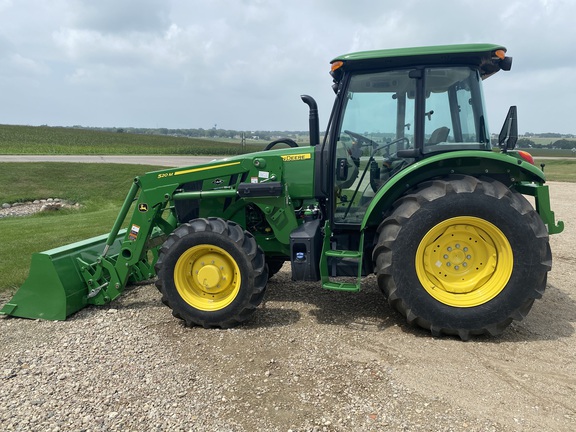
column 72, row 141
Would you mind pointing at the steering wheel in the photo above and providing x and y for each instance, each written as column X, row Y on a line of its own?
column 390, row 159
column 365, row 141
column 360, row 138
column 288, row 141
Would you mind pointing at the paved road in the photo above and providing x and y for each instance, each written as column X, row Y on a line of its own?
column 162, row 160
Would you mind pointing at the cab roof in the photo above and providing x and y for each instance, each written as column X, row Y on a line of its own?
column 481, row 55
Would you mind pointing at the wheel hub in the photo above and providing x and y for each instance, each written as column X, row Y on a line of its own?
column 207, row 277
column 464, row 261
column 461, row 259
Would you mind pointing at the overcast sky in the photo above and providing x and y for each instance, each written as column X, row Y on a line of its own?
column 242, row 64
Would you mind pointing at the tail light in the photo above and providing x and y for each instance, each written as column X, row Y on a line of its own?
column 526, row 156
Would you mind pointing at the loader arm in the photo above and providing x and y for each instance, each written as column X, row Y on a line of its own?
column 96, row 271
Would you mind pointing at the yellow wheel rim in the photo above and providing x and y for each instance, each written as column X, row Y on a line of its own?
column 464, row 261
column 207, row 277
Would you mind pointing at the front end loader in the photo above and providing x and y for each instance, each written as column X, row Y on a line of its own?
column 406, row 184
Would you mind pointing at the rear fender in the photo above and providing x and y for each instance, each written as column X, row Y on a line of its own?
column 505, row 168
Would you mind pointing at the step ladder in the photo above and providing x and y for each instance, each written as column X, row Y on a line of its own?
column 328, row 253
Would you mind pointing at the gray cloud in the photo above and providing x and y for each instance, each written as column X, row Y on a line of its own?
column 243, row 64
column 119, row 17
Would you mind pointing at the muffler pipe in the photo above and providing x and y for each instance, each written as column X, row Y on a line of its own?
column 314, row 124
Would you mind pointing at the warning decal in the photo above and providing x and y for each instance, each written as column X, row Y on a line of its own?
column 133, row 235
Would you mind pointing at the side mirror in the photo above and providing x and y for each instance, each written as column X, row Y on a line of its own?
column 506, row 63
column 509, row 133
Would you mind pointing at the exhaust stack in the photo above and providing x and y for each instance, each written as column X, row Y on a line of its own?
column 313, row 121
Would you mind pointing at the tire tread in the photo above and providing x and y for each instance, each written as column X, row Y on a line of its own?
column 244, row 241
column 409, row 204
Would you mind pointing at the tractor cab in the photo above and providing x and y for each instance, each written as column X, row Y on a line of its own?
column 396, row 107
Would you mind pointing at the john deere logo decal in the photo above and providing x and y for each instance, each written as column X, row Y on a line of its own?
column 296, row 157
column 143, row 208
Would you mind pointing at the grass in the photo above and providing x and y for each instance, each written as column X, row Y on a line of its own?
column 100, row 188
column 92, row 184
column 70, row 141
column 557, row 153
column 558, row 169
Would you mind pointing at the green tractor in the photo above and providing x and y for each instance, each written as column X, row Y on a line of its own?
column 405, row 184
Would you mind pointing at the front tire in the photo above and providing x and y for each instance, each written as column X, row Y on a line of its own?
column 462, row 256
column 211, row 273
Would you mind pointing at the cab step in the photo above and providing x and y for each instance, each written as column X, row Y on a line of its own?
column 344, row 254
column 341, row 286
column 354, row 257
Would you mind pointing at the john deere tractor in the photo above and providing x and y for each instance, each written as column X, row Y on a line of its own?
column 406, row 183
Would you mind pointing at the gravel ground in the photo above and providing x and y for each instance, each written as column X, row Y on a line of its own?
column 309, row 360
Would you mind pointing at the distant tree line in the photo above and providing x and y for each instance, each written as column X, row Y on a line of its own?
column 548, row 135
column 563, row 144
column 204, row 133
column 565, row 141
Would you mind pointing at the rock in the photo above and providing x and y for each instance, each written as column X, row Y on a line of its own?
column 52, row 206
column 31, row 207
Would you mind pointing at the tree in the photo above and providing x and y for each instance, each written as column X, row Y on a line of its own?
column 564, row 144
column 525, row 143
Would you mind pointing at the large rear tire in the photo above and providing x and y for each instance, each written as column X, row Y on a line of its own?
column 211, row 273
column 462, row 256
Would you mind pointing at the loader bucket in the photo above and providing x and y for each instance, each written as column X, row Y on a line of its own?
column 55, row 288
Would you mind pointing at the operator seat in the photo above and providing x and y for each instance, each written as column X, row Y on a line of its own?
column 439, row 135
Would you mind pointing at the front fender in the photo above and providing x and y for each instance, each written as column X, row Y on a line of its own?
column 501, row 166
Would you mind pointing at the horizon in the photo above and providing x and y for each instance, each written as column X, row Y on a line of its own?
column 548, row 134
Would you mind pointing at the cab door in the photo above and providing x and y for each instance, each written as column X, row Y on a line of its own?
column 376, row 121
